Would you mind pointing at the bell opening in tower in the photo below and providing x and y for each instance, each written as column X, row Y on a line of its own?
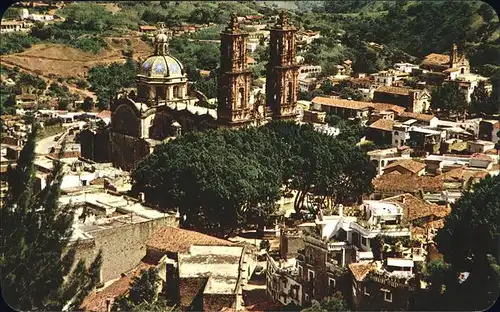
column 241, row 94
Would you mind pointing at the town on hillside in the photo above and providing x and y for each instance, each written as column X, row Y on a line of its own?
column 304, row 156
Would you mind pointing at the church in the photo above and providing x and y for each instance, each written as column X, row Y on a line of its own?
column 162, row 108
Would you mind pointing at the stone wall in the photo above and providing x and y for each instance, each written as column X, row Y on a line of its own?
column 127, row 151
column 123, row 247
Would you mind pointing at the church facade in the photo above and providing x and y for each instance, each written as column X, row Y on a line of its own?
column 162, row 107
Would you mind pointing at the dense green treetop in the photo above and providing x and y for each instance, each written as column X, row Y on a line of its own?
column 225, row 179
column 469, row 242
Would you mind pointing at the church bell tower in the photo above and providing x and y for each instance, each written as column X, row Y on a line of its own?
column 282, row 70
column 235, row 78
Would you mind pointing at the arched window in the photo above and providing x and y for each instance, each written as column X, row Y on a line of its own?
column 241, row 96
column 176, row 92
column 289, row 93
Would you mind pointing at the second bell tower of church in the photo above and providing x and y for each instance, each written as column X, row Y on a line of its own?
column 282, row 70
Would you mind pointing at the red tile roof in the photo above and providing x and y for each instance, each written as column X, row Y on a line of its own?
column 96, row 301
column 417, row 116
column 383, row 124
column 409, row 164
column 358, row 105
column 415, row 208
column 104, row 114
column 480, row 156
column 171, row 239
column 393, row 90
column 147, row 27
column 361, row 269
column 407, row 183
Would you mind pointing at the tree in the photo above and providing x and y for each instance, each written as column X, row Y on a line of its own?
column 481, row 103
column 142, row 294
column 469, row 243
column 218, row 179
column 448, row 97
column 88, row 103
column 36, row 259
column 63, row 104
column 335, row 303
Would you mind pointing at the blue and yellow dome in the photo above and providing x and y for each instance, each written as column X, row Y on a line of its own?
column 162, row 66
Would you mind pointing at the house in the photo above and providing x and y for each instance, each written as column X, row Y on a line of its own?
column 480, row 146
column 26, row 100
column 380, row 132
column 416, row 101
column 422, row 119
column 426, row 138
column 351, row 109
column 382, row 289
column 381, row 158
column 168, row 244
column 417, row 210
column 211, row 277
column 307, row 84
column 489, row 130
column 251, row 61
column 147, row 29
column 282, row 281
column 309, row 70
column 394, row 183
column 14, row 26
column 313, row 116
column 479, row 160
column 406, row 166
column 405, row 67
column 119, row 226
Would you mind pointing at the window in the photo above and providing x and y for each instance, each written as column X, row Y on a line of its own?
column 331, row 282
column 365, row 291
column 300, row 272
column 387, row 296
column 331, row 285
column 396, row 141
column 396, row 133
column 364, row 241
column 289, row 94
column 240, row 98
column 306, row 297
column 311, row 275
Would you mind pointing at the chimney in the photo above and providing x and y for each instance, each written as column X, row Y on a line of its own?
column 283, row 244
column 341, row 210
column 141, row 197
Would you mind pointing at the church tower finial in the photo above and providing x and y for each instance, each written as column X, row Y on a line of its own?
column 162, row 39
column 233, row 23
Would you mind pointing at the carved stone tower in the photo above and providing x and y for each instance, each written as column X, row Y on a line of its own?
column 235, row 78
column 282, row 70
column 453, row 56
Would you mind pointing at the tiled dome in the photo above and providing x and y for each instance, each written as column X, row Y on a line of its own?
column 162, row 66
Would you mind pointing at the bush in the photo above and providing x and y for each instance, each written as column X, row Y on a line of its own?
column 16, row 43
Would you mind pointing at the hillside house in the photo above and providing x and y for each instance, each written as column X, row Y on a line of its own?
column 380, row 132
column 489, row 130
column 416, row 101
column 381, row 158
column 479, row 146
column 406, row 166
